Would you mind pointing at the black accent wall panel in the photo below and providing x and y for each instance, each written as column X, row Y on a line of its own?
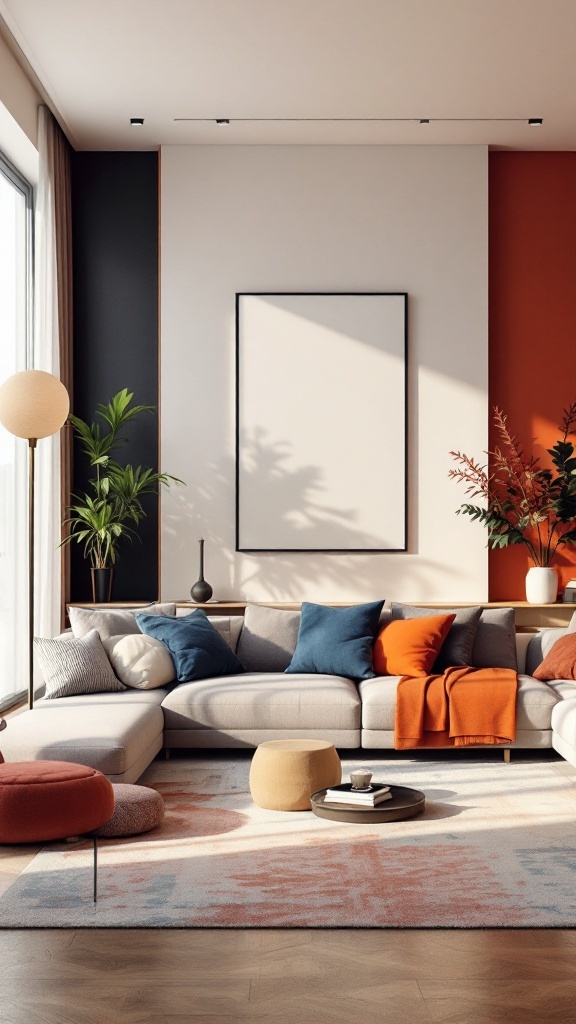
column 115, row 266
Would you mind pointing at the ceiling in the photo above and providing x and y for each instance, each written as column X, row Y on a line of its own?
column 303, row 71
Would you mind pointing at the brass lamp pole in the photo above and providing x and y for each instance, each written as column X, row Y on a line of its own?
column 33, row 404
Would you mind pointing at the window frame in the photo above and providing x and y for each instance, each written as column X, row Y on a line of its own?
column 25, row 188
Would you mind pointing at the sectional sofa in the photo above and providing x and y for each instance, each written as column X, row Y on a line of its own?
column 120, row 733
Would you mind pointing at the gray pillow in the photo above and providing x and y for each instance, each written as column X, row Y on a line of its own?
column 457, row 647
column 495, row 642
column 72, row 667
column 268, row 638
column 109, row 622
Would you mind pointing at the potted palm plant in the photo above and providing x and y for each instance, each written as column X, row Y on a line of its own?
column 524, row 502
column 110, row 512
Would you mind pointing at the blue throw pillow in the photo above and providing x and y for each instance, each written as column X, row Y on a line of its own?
column 337, row 641
column 196, row 646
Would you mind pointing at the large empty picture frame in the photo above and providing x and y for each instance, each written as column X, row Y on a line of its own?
column 321, row 422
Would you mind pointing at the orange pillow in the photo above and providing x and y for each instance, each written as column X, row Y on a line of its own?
column 560, row 662
column 409, row 647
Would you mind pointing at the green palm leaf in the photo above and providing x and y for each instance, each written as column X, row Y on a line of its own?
column 100, row 520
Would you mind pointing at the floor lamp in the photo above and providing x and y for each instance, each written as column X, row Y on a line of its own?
column 33, row 404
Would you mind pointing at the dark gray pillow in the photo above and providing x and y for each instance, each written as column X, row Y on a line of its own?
column 458, row 645
column 268, row 638
column 495, row 642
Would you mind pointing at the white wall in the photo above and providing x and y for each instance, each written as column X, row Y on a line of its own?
column 18, row 115
column 333, row 218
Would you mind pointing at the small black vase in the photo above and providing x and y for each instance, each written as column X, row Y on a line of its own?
column 102, row 585
column 201, row 591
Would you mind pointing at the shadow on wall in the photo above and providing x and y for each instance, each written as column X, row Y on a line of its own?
column 301, row 520
column 207, row 509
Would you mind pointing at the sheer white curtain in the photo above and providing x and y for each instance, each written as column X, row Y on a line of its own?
column 14, row 302
column 50, row 315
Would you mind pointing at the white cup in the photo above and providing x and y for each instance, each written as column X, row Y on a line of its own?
column 360, row 779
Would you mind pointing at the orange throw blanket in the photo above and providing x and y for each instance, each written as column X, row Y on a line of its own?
column 463, row 707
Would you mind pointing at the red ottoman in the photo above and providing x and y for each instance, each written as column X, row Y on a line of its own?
column 43, row 800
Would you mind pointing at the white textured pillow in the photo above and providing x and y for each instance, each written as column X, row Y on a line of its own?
column 108, row 621
column 140, row 661
column 72, row 667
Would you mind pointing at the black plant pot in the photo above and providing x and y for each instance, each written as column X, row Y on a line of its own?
column 102, row 585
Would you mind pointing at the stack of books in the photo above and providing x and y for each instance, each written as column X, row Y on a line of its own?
column 369, row 797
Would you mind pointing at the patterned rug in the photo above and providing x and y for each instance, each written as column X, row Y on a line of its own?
column 496, row 847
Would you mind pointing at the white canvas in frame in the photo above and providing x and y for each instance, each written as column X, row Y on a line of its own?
column 321, row 422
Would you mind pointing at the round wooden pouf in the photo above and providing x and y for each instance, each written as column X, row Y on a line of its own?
column 285, row 773
column 137, row 809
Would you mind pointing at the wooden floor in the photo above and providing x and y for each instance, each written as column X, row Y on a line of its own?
column 294, row 976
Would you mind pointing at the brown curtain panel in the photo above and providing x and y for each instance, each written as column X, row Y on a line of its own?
column 58, row 153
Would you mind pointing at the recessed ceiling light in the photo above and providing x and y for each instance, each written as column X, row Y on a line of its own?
column 222, row 120
column 136, row 121
column 534, row 121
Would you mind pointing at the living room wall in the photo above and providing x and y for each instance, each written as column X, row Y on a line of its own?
column 18, row 94
column 115, row 264
column 249, row 219
column 532, row 318
column 18, row 116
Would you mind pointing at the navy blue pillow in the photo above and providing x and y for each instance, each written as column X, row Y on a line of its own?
column 337, row 641
column 196, row 646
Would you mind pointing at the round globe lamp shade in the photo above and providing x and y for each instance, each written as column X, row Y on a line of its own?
column 33, row 404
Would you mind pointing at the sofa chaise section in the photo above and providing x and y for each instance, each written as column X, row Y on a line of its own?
column 118, row 741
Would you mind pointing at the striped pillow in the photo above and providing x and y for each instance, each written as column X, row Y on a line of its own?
column 73, row 667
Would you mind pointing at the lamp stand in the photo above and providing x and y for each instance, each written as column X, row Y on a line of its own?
column 31, row 454
column 33, row 404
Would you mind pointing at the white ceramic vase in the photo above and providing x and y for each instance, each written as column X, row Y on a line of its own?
column 541, row 585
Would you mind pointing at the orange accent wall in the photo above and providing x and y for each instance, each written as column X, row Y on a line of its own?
column 532, row 346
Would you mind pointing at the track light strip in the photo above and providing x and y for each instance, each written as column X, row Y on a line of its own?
column 350, row 120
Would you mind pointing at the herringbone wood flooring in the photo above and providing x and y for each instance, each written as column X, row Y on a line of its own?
column 297, row 976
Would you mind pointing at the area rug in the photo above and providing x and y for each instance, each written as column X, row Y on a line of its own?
column 496, row 847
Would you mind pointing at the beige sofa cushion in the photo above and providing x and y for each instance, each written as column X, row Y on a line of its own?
column 534, row 705
column 565, row 688
column 260, row 701
column 112, row 740
column 128, row 696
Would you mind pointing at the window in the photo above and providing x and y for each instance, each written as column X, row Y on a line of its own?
column 15, row 343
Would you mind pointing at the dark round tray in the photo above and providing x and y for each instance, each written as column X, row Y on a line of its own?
column 405, row 803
